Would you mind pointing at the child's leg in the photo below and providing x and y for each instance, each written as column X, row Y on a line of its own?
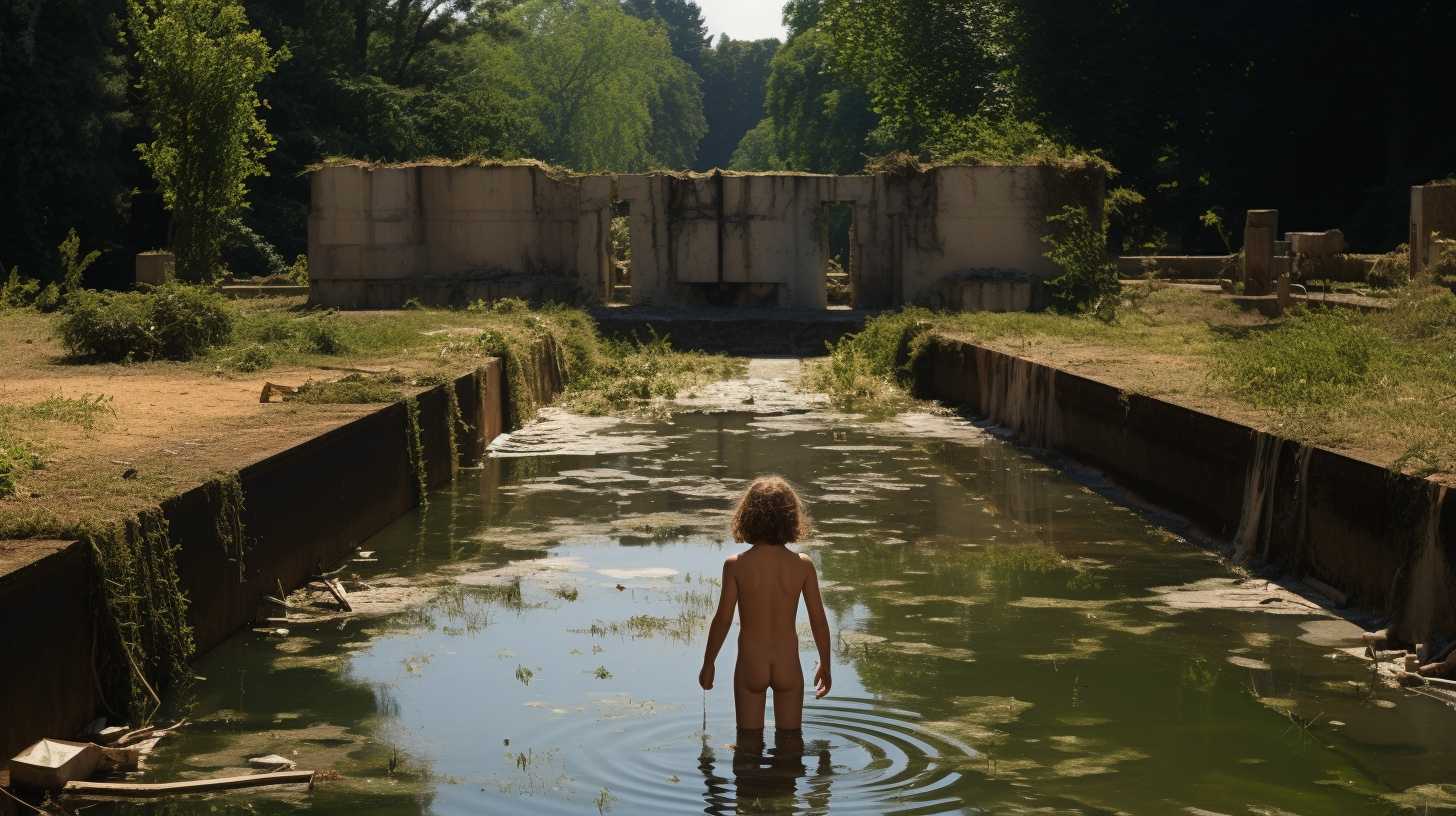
column 750, row 686
column 788, row 687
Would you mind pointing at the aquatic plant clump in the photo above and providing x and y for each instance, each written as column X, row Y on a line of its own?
column 416, row 446
column 226, row 494
column 143, row 613
column 869, row 371
column 454, row 424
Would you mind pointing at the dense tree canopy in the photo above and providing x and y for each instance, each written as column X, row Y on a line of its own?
column 735, row 74
column 1327, row 111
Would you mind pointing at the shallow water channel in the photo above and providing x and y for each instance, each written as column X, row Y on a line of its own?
column 1006, row 640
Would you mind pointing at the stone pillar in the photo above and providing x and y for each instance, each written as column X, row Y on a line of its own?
column 1260, row 229
column 1433, row 211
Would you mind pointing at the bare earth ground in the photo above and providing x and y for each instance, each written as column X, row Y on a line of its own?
column 176, row 424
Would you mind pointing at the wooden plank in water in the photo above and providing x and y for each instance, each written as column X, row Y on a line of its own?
column 190, row 786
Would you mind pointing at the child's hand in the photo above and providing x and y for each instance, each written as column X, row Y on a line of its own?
column 822, row 682
column 705, row 677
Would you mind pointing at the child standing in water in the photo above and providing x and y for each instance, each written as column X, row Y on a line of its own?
column 764, row 583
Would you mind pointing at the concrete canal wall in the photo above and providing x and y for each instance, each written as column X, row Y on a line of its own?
column 1385, row 539
column 305, row 509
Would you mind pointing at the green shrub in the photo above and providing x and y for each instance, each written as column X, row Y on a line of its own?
column 1088, row 281
column 18, row 292
column 73, row 263
column 1311, row 359
column 172, row 321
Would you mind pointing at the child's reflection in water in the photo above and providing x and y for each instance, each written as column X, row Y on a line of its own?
column 766, row 780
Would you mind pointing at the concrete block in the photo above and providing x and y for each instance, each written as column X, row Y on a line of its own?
column 1432, row 215
column 156, row 267
column 1315, row 244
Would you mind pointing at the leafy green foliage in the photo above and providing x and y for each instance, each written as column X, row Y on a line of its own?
column 200, row 68
column 73, row 263
column 868, row 371
column 758, row 150
column 18, row 292
column 979, row 139
column 595, row 74
column 921, row 60
column 735, row 74
column 1088, row 280
column 172, row 322
column 149, row 640
column 64, row 119
column 821, row 120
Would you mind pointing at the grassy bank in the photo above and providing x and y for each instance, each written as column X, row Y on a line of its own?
column 90, row 433
column 1381, row 385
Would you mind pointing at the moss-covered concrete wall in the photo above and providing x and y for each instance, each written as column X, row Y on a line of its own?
column 379, row 235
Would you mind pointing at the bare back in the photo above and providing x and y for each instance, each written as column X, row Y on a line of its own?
column 770, row 580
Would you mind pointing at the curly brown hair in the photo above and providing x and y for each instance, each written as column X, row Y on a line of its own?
column 770, row 512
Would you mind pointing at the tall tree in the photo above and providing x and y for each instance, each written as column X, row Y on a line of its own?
column 200, row 67
column 734, row 77
column 821, row 121
column 683, row 19
column 921, row 60
column 595, row 74
column 65, row 132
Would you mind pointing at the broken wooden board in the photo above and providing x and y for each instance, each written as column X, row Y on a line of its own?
column 339, row 594
column 147, row 789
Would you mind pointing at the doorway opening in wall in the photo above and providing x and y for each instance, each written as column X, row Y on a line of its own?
column 619, row 275
column 836, row 237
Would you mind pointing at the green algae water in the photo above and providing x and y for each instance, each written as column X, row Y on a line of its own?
column 1006, row 640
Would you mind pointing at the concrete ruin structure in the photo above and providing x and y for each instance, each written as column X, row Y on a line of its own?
column 1432, row 221
column 448, row 234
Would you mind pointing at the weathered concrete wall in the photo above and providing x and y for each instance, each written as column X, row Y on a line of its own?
column 1350, row 523
column 451, row 234
column 304, row 508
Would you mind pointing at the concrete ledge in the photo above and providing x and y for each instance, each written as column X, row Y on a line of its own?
column 745, row 331
column 1355, row 525
column 304, row 508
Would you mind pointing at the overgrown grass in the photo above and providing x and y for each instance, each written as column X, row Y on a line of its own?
column 1381, row 383
column 868, row 371
column 17, row 458
column 353, row 389
column 1309, row 360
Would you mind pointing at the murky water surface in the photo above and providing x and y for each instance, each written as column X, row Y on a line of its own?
column 1005, row 641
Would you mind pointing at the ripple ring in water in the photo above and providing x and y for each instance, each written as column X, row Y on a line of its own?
column 857, row 753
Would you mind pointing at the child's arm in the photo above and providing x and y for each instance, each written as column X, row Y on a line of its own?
column 819, row 624
column 722, row 621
